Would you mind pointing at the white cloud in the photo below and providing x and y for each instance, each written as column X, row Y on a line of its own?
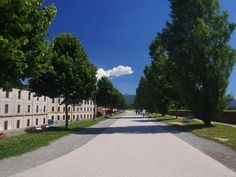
column 114, row 72
column 101, row 72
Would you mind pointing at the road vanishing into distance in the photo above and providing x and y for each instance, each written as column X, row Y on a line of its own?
column 132, row 147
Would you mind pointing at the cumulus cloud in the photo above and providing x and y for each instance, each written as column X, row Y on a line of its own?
column 114, row 72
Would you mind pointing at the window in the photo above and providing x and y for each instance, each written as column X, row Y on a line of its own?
column 52, row 108
column 18, row 124
column 53, row 100
column 52, row 117
column 37, row 121
column 84, row 109
column 64, row 109
column 37, row 98
column 81, row 109
column 73, row 116
column 37, row 108
column 29, row 96
column 68, row 116
column 44, row 109
column 7, row 94
column 19, row 94
column 63, row 117
column 74, row 109
column 58, row 117
column 45, row 98
column 77, row 109
column 5, row 125
column 28, row 122
column 87, row 109
column 59, row 100
column 58, row 109
column 18, row 108
column 44, row 120
column 69, row 109
column 28, row 108
column 6, row 108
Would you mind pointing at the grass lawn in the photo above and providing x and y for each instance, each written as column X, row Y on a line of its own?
column 220, row 133
column 20, row 144
column 230, row 110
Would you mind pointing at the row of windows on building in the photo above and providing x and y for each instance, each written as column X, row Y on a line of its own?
column 79, row 109
column 6, row 109
column 28, row 124
column 19, row 95
column 81, row 116
column 18, row 125
column 87, row 102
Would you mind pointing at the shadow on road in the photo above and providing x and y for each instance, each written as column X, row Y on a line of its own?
column 150, row 129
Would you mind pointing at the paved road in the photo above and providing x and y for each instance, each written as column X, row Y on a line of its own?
column 132, row 147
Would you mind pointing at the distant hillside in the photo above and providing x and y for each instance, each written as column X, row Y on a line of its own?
column 129, row 99
column 232, row 104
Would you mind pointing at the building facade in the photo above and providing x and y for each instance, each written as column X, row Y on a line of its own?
column 20, row 109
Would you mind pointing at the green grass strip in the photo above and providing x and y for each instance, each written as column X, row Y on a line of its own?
column 223, row 134
column 20, row 144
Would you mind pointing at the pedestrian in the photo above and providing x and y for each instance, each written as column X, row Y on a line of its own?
column 143, row 112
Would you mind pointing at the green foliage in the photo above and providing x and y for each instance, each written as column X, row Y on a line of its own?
column 23, row 26
column 117, row 99
column 104, row 92
column 143, row 98
column 70, row 74
column 108, row 96
column 199, row 55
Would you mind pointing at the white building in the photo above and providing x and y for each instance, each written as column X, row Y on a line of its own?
column 21, row 109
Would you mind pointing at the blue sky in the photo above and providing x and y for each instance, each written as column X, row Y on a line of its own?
column 118, row 32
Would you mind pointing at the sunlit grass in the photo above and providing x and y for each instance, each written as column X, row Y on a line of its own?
column 21, row 144
column 220, row 133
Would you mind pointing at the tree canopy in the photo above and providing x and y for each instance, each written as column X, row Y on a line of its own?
column 107, row 96
column 70, row 74
column 23, row 27
column 192, row 60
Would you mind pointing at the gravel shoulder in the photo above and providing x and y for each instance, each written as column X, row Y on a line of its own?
column 219, row 152
column 56, row 149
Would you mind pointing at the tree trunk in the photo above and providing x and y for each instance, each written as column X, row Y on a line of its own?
column 176, row 116
column 105, row 112
column 66, row 106
column 207, row 122
column 94, row 114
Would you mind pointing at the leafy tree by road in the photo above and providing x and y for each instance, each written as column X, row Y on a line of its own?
column 117, row 99
column 70, row 73
column 104, row 92
column 23, row 27
column 200, row 57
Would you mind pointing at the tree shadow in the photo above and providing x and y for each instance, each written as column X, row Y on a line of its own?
column 142, row 129
column 150, row 129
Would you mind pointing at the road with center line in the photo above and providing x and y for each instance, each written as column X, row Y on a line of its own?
column 132, row 147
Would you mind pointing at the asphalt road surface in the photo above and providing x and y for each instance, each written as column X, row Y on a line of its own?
column 132, row 147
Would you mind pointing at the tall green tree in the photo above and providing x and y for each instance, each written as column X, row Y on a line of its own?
column 104, row 92
column 70, row 74
column 201, row 60
column 143, row 96
column 23, row 27
column 117, row 99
